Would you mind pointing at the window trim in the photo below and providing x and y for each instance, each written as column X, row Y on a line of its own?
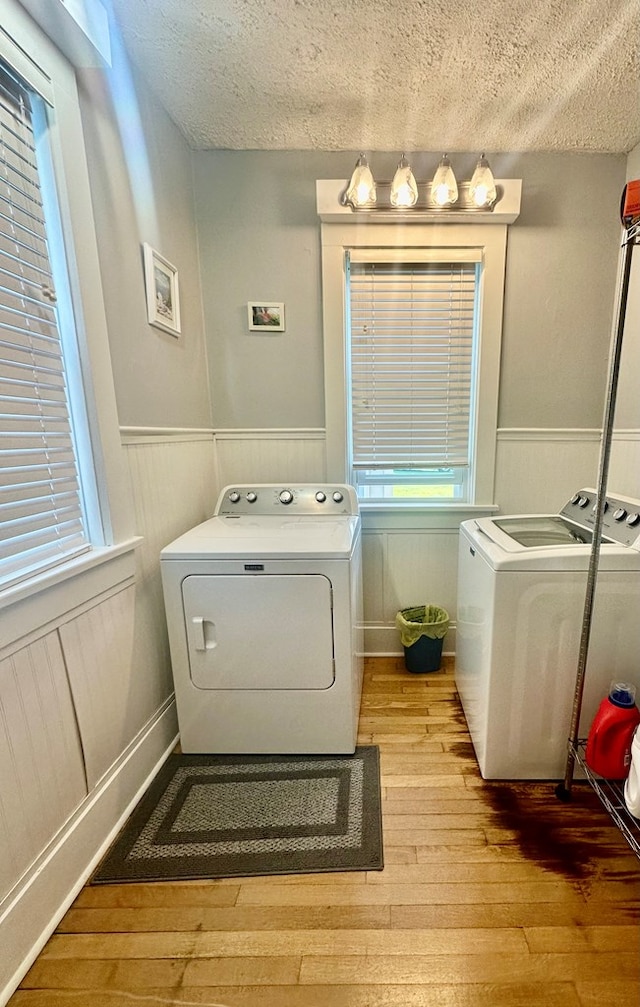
column 358, row 238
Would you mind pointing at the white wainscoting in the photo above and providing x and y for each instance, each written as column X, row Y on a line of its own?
column 174, row 484
column 404, row 567
column 174, row 488
column 42, row 779
column 537, row 470
column 624, row 465
column 270, row 456
column 107, row 690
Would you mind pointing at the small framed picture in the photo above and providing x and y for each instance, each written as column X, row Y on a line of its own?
column 163, row 298
column 266, row 316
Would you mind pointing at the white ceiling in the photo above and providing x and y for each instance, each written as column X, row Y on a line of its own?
column 456, row 75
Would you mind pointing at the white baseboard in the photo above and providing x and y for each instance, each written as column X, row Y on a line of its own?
column 36, row 905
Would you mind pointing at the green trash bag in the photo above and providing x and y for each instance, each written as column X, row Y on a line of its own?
column 422, row 620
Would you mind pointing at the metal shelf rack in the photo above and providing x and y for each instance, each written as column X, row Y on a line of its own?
column 611, row 795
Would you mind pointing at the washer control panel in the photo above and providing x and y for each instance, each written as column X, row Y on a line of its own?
column 621, row 517
column 308, row 500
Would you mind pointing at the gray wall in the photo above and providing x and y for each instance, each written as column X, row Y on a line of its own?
column 560, row 285
column 140, row 174
column 260, row 238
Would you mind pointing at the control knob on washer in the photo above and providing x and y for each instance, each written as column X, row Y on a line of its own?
column 320, row 496
column 633, row 520
column 337, row 496
column 583, row 501
column 285, row 497
column 252, row 497
column 234, row 497
column 619, row 514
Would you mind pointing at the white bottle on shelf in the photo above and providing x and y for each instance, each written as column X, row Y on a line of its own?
column 632, row 783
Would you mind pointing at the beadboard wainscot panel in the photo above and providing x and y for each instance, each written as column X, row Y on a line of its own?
column 408, row 560
column 538, row 470
column 174, row 485
column 270, row 456
column 42, row 778
column 109, row 692
column 624, row 466
column 174, row 488
column 373, row 576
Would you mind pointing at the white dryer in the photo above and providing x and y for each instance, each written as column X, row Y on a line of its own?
column 521, row 591
column 264, row 612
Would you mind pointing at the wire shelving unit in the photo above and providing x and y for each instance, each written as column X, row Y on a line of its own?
column 610, row 792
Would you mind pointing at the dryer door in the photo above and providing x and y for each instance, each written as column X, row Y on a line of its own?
column 259, row 632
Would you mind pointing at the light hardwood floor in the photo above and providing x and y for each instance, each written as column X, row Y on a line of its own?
column 492, row 895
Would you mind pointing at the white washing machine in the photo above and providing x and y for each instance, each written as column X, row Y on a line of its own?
column 521, row 591
column 264, row 611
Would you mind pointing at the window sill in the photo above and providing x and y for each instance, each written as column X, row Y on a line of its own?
column 414, row 515
column 43, row 601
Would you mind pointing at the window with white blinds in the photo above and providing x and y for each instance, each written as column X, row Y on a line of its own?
column 412, row 330
column 41, row 512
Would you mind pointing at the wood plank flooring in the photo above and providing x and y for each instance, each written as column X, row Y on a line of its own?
column 493, row 895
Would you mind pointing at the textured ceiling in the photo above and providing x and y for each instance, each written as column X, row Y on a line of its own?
column 392, row 74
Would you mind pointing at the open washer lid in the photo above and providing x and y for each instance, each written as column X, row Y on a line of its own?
column 561, row 541
column 503, row 552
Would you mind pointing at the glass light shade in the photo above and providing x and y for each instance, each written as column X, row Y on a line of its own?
column 404, row 190
column 482, row 187
column 361, row 190
column 444, row 188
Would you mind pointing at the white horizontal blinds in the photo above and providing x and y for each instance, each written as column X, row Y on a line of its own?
column 412, row 348
column 40, row 504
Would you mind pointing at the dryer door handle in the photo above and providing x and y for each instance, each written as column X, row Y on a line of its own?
column 202, row 633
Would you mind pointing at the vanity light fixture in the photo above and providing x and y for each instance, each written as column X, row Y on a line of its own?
column 361, row 190
column 404, row 190
column 444, row 193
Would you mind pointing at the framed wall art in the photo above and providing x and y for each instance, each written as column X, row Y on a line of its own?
column 163, row 298
column 265, row 316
